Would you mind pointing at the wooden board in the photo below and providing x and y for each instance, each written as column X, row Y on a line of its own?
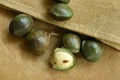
column 96, row 18
column 18, row 64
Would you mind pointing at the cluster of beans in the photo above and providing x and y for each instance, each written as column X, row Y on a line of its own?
column 64, row 58
column 61, row 11
column 37, row 40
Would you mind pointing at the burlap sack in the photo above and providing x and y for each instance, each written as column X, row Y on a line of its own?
column 17, row 63
column 96, row 18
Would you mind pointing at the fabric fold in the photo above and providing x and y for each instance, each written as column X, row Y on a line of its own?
column 96, row 18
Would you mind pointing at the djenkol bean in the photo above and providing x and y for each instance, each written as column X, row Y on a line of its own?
column 37, row 41
column 72, row 42
column 61, row 12
column 62, row 59
column 21, row 25
column 92, row 50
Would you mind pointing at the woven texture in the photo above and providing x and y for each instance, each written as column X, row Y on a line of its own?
column 16, row 63
column 96, row 18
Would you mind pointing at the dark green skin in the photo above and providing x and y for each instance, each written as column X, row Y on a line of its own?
column 59, row 68
column 37, row 41
column 72, row 42
column 21, row 25
column 63, row 1
column 61, row 12
column 92, row 50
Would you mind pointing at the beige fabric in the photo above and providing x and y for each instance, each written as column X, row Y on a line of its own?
column 96, row 18
column 18, row 64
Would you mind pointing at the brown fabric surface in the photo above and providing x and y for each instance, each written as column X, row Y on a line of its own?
column 18, row 64
column 97, row 18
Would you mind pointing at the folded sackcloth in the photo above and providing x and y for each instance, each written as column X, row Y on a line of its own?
column 96, row 18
